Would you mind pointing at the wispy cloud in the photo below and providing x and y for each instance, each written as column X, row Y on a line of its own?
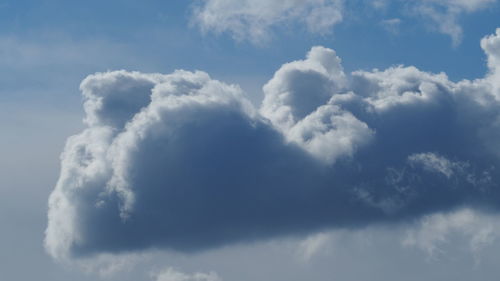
column 255, row 20
column 445, row 14
column 170, row 274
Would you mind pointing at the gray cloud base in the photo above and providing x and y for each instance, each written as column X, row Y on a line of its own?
column 184, row 162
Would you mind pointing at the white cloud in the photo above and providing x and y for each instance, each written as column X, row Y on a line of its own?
column 170, row 274
column 379, row 4
column 315, row 244
column 466, row 5
column 437, row 163
column 297, row 103
column 491, row 45
column 434, row 233
column 253, row 20
column 109, row 265
column 391, row 25
column 185, row 162
column 445, row 14
column 299, row 87
column 330, row 133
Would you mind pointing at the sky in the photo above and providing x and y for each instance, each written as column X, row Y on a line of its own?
column 239, row 140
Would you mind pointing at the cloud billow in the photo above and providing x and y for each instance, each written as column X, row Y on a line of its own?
column 186, row 163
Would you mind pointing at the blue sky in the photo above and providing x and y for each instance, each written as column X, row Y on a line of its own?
column 82, row 38
column 47, row 48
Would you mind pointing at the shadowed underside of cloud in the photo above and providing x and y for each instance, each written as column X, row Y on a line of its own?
column 185, row 162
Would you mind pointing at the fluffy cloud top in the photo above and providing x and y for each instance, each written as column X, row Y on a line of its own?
column 253, row 19
column 297, row 102
column 185, row 162
column 491, row 44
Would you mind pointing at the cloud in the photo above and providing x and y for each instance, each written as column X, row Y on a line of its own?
column 314, row 244
column 107, row 266
column 297, row 103
column 491, row 44
column 170, row 274
column 434, row 233
column 254, row 20
column 184, row 162
column 194, row 133
column 445, row 14
column 391, row 25
column 436, row 163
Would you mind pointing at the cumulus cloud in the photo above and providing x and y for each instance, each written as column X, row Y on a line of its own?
column 297, row 102
column 253, row 20
column 195, row 163
column 491, row 44
column 184, row 162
